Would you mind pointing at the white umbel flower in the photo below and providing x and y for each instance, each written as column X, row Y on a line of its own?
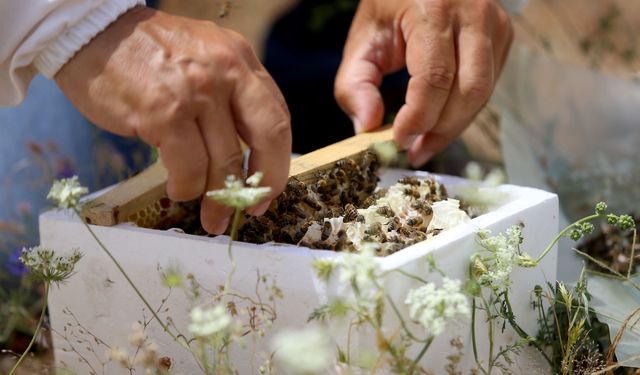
column 67, row 192
column 433, row 308
column 505, row 255
column 360, row 268
column 307, row 351
column 238, row 196
column 208, row 321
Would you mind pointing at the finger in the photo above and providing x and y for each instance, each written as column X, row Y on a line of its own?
column 502, row 39
column 431, row 62
column 225, row 159
column 471, row 90
column 183, row 153
column 264, row 124
column 356, row 88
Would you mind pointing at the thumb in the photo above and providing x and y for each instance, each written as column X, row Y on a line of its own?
column 357, row 90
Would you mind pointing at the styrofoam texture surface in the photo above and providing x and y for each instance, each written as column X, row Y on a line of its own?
column 100, row 299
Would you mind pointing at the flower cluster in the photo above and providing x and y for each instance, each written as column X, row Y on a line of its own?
column 45, row 265
column 208, row 321
column 433, row 308
column 582, row 227
column 67, row 192
column 505, row 254
column 307, row 351
column 237, row 195
column 360, row 271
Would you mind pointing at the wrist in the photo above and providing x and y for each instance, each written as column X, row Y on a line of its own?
column 75, row 36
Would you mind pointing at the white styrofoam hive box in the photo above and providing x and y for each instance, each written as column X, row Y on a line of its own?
column 105, row 305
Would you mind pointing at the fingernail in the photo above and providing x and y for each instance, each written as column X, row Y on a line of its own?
column 421, row 159
column 221, row 227
column 409, row 141
column 357, row 125
column 259, row 209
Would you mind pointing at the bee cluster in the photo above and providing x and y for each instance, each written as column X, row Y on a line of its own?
column 342, row 210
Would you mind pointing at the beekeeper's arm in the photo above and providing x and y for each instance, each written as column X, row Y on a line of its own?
column 188, row 87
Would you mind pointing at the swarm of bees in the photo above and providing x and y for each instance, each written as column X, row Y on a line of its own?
column 342, row 210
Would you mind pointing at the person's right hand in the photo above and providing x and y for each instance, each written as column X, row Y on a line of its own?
column 189, row 88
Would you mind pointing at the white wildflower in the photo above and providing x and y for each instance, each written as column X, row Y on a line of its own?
column 237, row 196
column 433, row 308
column 67, row 192
column 505, row 256
column 45, row 265
column 360, row 268
column 148, row 356
column 473, row 171
column 254, row 179
column 137, row 337
column 119, row 355
column 447, row 214
column 306, row 351
column 208, row 321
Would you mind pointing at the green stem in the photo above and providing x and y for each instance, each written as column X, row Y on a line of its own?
column 37, row 331
column 126, row 276
column 489, row 332
column 424, row 350
column 232, row 237
column 411, row 276
column 520, row 331
column 563, row 232
column 402, row 322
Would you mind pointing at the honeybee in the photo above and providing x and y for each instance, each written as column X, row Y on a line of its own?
column 394, row 224
column 326, row 230
column 312, row 202
column 385, row 211
column 346, row 164
column 335, row 211
column 422, row 207
column 414, row 221
column 374, row 229
column 350, row 213
column 369, row 160
column 340, row 175
column 409, row 180
column 225, row 9
column 368, row 202
column 412, row 192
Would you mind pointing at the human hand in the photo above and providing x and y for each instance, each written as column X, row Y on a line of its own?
column 191, row 89
column 454, row 51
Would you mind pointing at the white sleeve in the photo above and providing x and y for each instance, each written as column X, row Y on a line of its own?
column 513, row 6
column 40, row 36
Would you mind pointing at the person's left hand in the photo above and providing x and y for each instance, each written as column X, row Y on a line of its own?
column 454, row 51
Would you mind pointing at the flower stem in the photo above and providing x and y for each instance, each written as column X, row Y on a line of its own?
column 126, row 276
column 232, row 237
column 37, row 330
column 563, row 232
column 424, row 350
column 520, row 331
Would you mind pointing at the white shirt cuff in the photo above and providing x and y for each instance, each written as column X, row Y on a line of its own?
column 63, row 48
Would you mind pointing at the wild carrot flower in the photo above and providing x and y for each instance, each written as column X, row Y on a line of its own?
column 67, row 192
column 307, row 351
column 45, row 265
column 433, row 308
column 208, row 321
column 505, row 254
column 236, row 195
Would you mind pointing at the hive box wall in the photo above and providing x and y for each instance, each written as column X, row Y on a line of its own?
column 99, row 298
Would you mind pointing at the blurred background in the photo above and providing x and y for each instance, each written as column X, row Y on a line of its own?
column 564, row 117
